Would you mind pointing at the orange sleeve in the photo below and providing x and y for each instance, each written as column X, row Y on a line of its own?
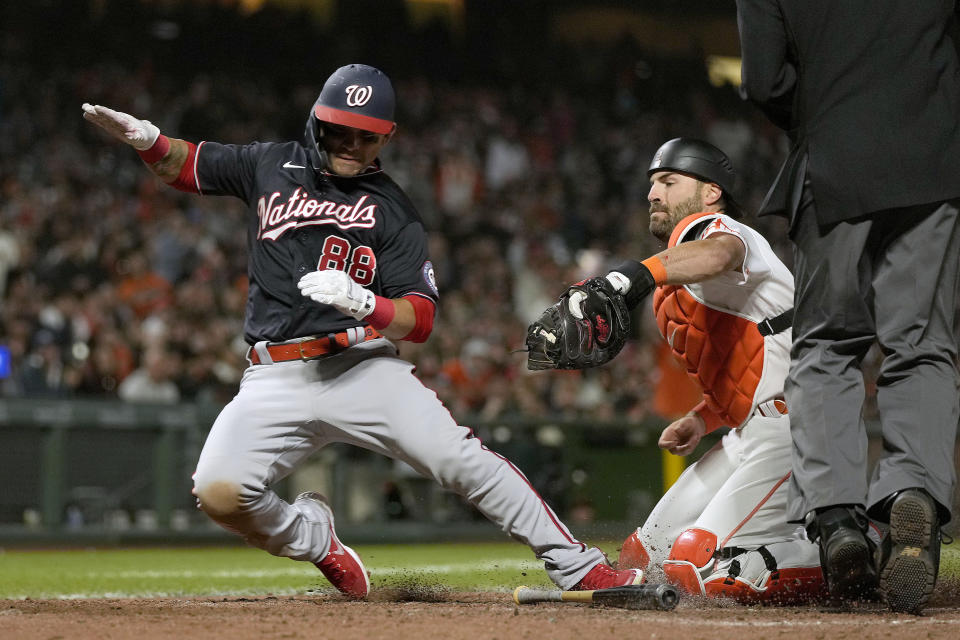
column 711, row 419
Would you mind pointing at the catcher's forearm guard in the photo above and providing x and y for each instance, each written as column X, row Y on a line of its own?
column 560, row 340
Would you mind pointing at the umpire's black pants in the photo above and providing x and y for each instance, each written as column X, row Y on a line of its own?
column 891, row 277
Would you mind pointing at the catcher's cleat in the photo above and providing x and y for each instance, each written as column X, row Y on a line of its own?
column 845, row 555
column 604, row 576
column 911, row 553
column 341, row 565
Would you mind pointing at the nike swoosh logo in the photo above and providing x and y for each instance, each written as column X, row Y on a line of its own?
column 287, row 165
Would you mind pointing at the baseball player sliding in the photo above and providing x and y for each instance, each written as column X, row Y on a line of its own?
column 338, row 267
column 723, row 302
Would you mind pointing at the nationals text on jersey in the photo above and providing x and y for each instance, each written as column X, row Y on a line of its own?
column 296, row 211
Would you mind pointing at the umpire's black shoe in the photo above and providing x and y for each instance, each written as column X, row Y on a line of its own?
column 846, row 556
column 910, row 558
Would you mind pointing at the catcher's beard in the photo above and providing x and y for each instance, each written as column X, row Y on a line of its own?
column 661, row 229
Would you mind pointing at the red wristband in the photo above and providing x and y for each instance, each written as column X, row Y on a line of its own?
column 382, row 314
column 156, row 152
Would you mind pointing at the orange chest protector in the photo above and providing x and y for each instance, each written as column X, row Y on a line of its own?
column 722, row 352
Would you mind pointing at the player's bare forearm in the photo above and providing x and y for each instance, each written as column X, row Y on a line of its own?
column 701, row 260
column 404, row 319
column 169, row 166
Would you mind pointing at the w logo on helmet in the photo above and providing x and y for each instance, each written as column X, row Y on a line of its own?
column 357, row 95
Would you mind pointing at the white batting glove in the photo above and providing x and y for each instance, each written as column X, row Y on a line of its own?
column 338, row 289
column 139, row 134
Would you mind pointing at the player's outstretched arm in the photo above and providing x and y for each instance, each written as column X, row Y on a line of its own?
column 164, row 156
column 701, row 260
column 683, row 264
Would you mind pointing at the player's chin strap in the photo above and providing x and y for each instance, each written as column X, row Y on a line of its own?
column 324, row 168
column 776, row 324
column 322, row 153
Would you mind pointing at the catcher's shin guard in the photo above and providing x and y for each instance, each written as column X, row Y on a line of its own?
column 782, row 586
column 723, row 586
column 792, row 586
column 633, row 555
column 756, row 575
column 684, row 575
column 693, row 552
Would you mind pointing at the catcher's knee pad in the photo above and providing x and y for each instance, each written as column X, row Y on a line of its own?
column 692, row 553
column 633, row 555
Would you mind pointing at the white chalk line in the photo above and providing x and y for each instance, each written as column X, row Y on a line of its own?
column 294, row 570
column 301, row 569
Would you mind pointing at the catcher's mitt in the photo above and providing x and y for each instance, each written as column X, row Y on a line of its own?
column 560, row 340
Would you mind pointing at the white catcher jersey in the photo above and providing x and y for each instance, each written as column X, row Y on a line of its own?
column 761, row 289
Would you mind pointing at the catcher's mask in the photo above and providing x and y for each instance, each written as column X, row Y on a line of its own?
column 700, row 160
column 357, row 96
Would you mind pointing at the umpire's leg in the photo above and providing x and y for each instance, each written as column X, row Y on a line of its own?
column 915, row 284
column 833, row 328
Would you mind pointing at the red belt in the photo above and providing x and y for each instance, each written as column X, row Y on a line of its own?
column 310, row 348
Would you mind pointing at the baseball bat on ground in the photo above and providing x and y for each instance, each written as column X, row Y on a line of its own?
column 639, row 596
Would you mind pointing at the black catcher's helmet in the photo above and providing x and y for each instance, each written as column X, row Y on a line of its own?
column 701, row 160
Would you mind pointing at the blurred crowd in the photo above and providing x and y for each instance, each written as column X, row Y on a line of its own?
column 113, row 285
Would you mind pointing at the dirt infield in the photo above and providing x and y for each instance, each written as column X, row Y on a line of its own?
column 402, row 615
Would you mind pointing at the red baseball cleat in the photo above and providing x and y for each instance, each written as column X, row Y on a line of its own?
column 604, row 576
column 341, row 566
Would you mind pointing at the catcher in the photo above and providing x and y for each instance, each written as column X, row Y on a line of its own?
column 723, row 302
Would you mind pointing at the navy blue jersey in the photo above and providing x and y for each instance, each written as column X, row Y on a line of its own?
column 301, row 220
